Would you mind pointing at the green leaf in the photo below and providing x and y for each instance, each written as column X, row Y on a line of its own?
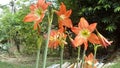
column 101, row 1
column 107, row 6
column 39, row 42
column 117, row 9
column 106, row 20
column 97, row 8
column 111, row 27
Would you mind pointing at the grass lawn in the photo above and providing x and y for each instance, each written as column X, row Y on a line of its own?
column 117, row 65
column 24, row 65
column 9, row 65
column 28, row 64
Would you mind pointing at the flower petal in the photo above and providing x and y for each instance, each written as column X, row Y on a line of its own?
column 68, row 13
column 40, row 3
column 94, row 39
column 92, row 27
column 62, row 8
column 103, row 41
column 77, row 41
column 45, row 5
column 58, row 13
column 38, row 21
column 36, row 24
column 90, row 56
column 53, row 44
column 85, row 44
column 30, row 17
column 76, row 30
column 33, row 7
column 41, row 18
column 83, row 23
column 60, row 24
column 68, row 23
column 61, row 30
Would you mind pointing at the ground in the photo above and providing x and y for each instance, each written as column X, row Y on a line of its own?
column 29, row 61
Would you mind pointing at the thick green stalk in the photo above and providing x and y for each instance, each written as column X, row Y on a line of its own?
column 39, row 43
column 78, row 58
column 82, row 64
column 61, row 56
column 95, row 51
column 38, row 57
column 50, row 18
column 46, row 47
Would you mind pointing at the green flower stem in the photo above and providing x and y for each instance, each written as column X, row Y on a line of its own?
column 61, row 56
column 46, row 47
column 50, row 18
column 39, row 43
column 38, row 57
column 95, row 51
column 78, row 58
column 82, row 64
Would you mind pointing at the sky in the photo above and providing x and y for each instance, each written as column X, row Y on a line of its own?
column 4, row 2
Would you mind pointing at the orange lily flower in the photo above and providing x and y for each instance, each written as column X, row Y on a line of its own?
column 103, row 41
column 57, row 37
column 64, row 15
column 37, row 12
column 84, row 34
column 89, row 61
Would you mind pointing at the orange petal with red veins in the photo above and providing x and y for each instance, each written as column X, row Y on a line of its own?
column 62, row 8
column 45, row 5
column 53, row 33
column 38, row 21
column 40, row 3
column 78, row 41
column 67, row 23
column 85, row 44
column 60, row 24
column 41, row 18
column 30, row 18
column 94, row 39
column 58, row 13
column 36, row 25
column 61, row 30
column 33, row 7
column 92, row 27
column 68, row 13
column 53, row 44
column 86, row 58
column 103, row 41
column 83, row 23
column 90, row 56
column 76, row 30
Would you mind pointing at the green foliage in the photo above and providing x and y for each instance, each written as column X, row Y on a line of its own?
column 13, row 27
column 116, row 65
column 111, row 27
column 117, row 9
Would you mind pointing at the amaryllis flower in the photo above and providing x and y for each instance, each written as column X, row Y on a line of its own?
column 63, row 17
column 37, row 12
column 57, row 38
column 89, row 61
column 84, row 34
column 103, row 41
